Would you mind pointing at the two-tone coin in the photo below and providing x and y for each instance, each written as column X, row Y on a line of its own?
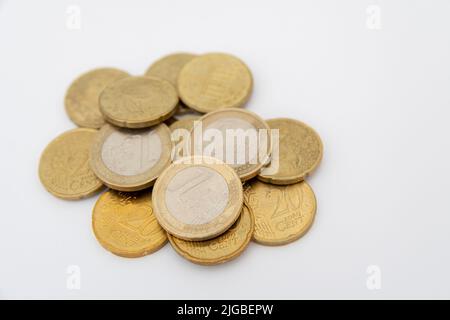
column 282, row 213
column 138, row 102
column 130, row 160
column 298, row 152
column 221, row 249
column 238, row 137
column 64, row 166
column 197, row 198
column 168, row 67
column 214, row 81
column 125, row 225
column 82, row 97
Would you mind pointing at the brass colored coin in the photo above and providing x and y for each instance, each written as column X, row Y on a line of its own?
column 224, row 248
column 64, row 166
column 197, row 198
column 130, row 160
column 282, row 213
column 169, row 67
column 124, row 224
column 214, row 81
column 251, row 137
column 138, row 102
column 299, row 153
column 81, row 99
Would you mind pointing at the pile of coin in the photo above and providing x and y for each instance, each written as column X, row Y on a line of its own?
column 165, row 144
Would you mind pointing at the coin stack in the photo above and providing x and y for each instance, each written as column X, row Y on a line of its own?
column 138, row 136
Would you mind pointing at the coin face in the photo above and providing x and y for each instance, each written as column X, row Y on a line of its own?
column 221, row 249
column 197, row 198
column 124, row 224
column 214, row 81
column 64, row 166
column 282, row 213
column 299, row 152
column 169, row 67
column 138, row 102
column 238, row 137
column 130, row 160
column 81, row 99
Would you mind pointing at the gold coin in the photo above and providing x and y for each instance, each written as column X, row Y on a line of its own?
column 197, row 198
column 214, row 81
column 224, row 248
column 138, row 102
column 64, row 166
column 298, row 152
column 124, row 224
column 81, row 99
column 130, row 160
column 169, row 67
column 282, row 213
column 250, row 145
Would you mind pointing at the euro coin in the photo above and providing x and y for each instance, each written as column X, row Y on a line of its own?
column 238, row 137
column 125, row 225
column 282, row 213
column 138, row 102
column 298, row 152
column 81, row 99
column 169, row 67
column 64, row 166
column 214, row 81
column 221, row 249
column 130, row 160
column 197, row 198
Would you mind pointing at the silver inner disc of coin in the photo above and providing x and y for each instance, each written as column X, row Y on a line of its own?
column 243, row 131
column 197, row 195
column 130, row 154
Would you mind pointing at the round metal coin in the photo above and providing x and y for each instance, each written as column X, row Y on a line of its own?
column 64, row 166
column 214, row 81
column 124, row 224
column 81, row 99
column 138, row 102
column 197, row 198
column 130, row 160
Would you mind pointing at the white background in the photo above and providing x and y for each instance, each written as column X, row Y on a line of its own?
column 379, row 98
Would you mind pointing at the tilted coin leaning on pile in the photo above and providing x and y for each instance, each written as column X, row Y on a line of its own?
column 182, row 161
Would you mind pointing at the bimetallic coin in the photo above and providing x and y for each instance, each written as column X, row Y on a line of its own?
column 130, row 160
column 214, row 81
column 197, row 198
column 224, row 248
column 124, row 224
column 282, row 213
column 299, row 152
column 169, row 67
column 238, row 137
column 138, row 102
column 64, row 166
column 81, row 99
